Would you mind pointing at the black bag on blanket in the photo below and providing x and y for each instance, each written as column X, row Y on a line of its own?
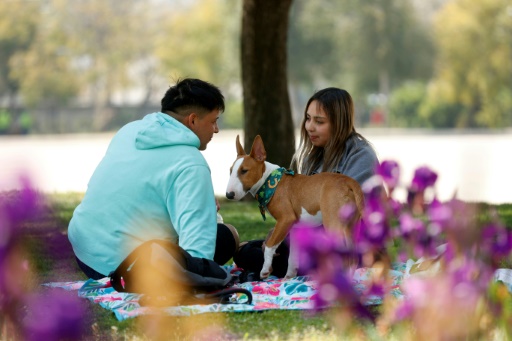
column 168, row 275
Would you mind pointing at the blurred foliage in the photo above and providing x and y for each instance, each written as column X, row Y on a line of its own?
column 472, row 83
column 201, row 40
column 232, row 118
column 475, row 60
column 405, row 100
column 19, row 22
column 5, row 120
column 389, row 45
column 59, row 56
column 439, row 111
column 366, row 47
column 82, row 49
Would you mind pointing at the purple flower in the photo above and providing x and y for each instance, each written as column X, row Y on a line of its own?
column 56, row 315
column 439, row 213
column 338, row 287
column 402, row 256
column 445, row 306
column 373, row 189
column 377, row 288
column 423, row 178
column 348, row 213
column 410, row 226
column 404, row 310
column 419, row 236
column 496, row 241
column 449, row 297
column 461, row 229
column 315, row 245
column 395, row 207
column 305, row 240
column 374, row 229
column 21, row 205
column 325, row 255
column 417, row 291
column 16, row 208
column 390, row 173
column 471, row 270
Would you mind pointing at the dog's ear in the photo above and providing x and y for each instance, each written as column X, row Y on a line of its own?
column 239, row 149
column 258, row 150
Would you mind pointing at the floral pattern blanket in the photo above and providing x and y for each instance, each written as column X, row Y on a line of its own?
column 274, row 293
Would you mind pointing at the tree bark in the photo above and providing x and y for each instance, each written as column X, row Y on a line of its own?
column 267, row 109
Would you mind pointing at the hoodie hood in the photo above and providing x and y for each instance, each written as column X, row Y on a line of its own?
column 161, row 130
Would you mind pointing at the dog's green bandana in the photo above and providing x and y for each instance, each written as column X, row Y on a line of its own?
column 266, row 191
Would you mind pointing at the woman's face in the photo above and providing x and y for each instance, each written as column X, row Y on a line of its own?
column 317, row 125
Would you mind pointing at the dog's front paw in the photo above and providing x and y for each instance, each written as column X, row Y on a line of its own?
column 264, row 274
column 291, row 273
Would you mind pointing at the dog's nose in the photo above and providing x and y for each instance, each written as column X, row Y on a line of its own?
column 230, row 195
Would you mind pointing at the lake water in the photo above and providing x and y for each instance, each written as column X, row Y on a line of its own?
column 476, row 165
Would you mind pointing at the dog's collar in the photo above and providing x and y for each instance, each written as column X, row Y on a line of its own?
column 266, row 191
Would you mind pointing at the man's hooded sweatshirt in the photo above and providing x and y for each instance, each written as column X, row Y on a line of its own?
column 152, row 183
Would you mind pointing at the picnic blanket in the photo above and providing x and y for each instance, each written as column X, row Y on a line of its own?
column 274, row 293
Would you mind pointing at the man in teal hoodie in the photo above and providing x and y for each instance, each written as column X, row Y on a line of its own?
column 154, row 184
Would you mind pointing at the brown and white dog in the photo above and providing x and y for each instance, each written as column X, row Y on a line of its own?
column 315, row 199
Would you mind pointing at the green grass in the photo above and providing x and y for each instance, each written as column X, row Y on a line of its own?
column 505, row 214
column 247, row 219
column 245, row 216
column 62, row 205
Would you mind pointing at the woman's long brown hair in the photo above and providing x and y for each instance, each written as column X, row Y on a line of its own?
column 339, row 108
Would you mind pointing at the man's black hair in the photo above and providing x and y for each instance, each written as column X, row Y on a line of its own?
column 192, row 94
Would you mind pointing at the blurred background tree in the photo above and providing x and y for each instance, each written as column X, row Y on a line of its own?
column 474, row 68
column 202, row 40
column 19, row 23
column 368, row 47
column 92, row 66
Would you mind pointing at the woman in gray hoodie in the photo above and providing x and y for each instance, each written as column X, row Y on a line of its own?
column 329, row 141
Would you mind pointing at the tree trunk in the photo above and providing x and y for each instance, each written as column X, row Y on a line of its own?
column 267, row 109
